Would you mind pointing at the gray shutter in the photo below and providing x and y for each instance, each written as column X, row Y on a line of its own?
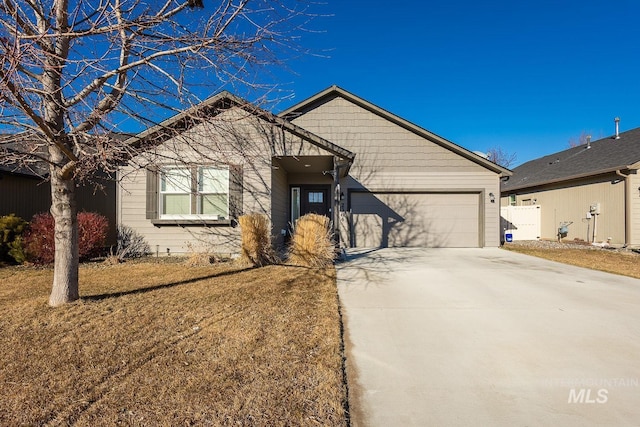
column 235, row 191
column 152, row 192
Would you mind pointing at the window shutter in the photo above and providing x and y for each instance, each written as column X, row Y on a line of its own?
column 235, row 191
column 152, row 192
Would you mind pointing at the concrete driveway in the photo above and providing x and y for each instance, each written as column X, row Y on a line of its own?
column 488, row 337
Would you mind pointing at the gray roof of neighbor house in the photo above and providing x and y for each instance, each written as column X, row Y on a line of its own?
column 9, row 146
column 336, row 91
column 34, row 167
column 602, row 156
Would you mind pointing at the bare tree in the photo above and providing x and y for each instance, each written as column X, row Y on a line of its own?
column 75, row 70
column 501, row 157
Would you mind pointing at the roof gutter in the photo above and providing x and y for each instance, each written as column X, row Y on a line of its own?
column 627, row 207
column 572, row 177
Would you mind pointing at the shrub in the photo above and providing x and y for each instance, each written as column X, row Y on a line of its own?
column 256, row 240
column 16, row 250
column 312, row 243
column 39, row 242
column 200, row 259
column 92, row 234
column 131, row 244
column 11, row 228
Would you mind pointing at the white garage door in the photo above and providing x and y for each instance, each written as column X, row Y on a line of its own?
column 415, row 220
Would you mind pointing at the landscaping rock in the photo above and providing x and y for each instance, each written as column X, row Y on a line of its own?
column 552, row 244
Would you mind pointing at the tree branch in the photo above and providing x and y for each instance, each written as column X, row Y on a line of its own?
column 111, row 100
column 26, row 108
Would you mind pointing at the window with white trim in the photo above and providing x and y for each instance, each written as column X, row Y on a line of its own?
column 194, row 192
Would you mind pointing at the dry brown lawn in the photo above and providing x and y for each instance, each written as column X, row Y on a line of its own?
column 624, row 263
column 166, row 344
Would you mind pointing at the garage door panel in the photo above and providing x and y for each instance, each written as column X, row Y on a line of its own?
column 415, row 219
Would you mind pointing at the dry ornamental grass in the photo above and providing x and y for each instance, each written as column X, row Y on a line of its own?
column 256, row 240
column 165, row 344
column 312, row 244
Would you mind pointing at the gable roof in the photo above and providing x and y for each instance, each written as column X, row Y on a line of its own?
column 32, row 172
column 223, row 101
column 10, row 164
column 601, row 156
column 336, row 91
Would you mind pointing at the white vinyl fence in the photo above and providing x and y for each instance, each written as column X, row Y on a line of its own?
column 521, row 222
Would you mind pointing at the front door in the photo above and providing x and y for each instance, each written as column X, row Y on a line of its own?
column 315, row 200
column 310, row 199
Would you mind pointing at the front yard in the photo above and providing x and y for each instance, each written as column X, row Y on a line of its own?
column 166, row 344
column 624, row 262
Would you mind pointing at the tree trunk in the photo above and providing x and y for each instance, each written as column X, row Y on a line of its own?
column 64, row 211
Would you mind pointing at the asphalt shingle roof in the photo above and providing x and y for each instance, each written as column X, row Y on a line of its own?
column 604, row 155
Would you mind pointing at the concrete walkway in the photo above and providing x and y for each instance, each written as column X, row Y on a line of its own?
column 449, row 337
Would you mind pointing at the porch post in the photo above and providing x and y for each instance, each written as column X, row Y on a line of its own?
column 335, row 204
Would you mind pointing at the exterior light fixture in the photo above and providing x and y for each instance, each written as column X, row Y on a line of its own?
column 492, row 197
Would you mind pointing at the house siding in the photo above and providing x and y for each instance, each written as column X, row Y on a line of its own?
column 570, row 202
column 24, row 196
column 234, row 137
column 392, row 158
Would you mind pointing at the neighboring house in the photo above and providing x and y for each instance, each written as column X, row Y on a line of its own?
column 593, row 190
column 383, row 180
column 26, row 192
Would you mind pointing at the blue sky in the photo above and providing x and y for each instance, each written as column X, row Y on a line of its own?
column 525, row 76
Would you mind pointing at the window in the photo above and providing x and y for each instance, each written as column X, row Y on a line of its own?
column 512, row 199
column 316, row 197
column 201, row 192
column 295, row 204
column 197, row 195
column 213, row 192
column 175, row 189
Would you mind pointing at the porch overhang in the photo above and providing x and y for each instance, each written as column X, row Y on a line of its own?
column 312, row 165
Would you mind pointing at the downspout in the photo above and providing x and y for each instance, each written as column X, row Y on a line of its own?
column 627, row 207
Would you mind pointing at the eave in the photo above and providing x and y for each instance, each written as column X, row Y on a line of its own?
column 630, row 168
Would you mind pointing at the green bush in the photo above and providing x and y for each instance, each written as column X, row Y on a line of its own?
column 11, row 228
column 17, row 250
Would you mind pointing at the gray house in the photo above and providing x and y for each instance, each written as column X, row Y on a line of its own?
column 592, row 189
column 26, row 192
column 384, row 181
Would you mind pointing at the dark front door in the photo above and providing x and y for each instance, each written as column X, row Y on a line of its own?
column 314, row 200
